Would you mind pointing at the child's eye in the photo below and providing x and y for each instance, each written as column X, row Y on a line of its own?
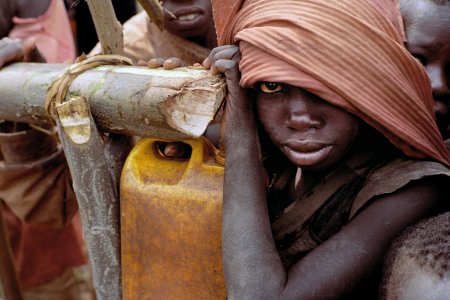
column 270, row 87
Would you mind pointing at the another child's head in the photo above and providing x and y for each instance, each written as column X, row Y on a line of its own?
column 418, row 264
column 193, row 20
column 427, row 26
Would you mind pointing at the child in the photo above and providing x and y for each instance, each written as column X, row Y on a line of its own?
column 417, row 265
column 189, row 37
column 46, row 243
column 416, row 258
column 352, row 155
column 427, row 26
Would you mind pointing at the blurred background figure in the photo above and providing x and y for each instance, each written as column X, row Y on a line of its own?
column 46, row 241
column 427, row 26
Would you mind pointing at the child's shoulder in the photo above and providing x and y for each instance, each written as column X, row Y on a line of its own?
column 392, row 175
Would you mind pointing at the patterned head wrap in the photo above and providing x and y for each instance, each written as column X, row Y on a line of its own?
column 350, row 53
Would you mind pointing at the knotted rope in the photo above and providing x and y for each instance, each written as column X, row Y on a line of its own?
column 59, row 87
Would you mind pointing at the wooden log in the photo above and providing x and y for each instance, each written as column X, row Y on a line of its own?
column 170, row 104
column 108, row 28
column 97, row 195
column 155, row 12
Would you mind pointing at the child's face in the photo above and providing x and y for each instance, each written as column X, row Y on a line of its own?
column 194, row 17
column 312, row 134
column 428, row 32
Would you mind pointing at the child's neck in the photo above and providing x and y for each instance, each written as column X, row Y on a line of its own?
column 208, row 41
column 303, row 182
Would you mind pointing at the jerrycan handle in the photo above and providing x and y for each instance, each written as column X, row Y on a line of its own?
column 202, row 153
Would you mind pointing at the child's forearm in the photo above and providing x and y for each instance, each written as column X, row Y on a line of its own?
column 253, row 269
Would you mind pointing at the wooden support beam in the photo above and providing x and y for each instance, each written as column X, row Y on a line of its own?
column 154, row 11
column 108, row 28
column 137, row 101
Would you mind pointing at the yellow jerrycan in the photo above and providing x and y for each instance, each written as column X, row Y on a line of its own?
column 171, row 223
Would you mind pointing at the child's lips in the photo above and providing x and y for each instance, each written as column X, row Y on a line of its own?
column 305, row 145
column 188, row 18
column 307, row 155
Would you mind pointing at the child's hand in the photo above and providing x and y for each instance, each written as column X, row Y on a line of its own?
column 238, row 109
column 12, row 50
column 168, row 64
column 225, row 60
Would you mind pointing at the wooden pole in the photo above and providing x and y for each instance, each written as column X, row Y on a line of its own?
column 154, row 11
column 136, row 101
column 96, row 192
column 109, row 30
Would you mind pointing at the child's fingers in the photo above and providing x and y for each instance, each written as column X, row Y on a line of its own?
column 29, row 44
column 155, row 63
column 172, row 63
column 227, row 67
column 236, row 94
column 31, row 52
column 168, row 64
column 175, row 150
column 142, row 63
column 227, row 54
column 10, row 50
column 210, row 59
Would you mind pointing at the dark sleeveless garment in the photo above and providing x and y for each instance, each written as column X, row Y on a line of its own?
column 337, row 198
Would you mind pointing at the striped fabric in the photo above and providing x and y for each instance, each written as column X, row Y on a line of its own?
column 350, row 53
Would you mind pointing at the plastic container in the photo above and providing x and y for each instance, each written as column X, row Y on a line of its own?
column 171, row 210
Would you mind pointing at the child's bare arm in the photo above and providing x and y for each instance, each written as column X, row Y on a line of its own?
column 350, row 256
column 13, row 50
column 253, row 269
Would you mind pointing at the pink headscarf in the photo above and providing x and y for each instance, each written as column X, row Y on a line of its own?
column 350, row 53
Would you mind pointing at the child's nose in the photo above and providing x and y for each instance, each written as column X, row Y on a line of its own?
column 302, row 121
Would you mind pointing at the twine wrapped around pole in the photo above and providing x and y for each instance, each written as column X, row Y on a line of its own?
column 59, row 87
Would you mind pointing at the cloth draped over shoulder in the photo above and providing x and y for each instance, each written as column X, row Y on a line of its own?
column 350, row 53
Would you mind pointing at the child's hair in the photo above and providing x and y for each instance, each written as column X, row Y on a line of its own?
column 427, row 245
